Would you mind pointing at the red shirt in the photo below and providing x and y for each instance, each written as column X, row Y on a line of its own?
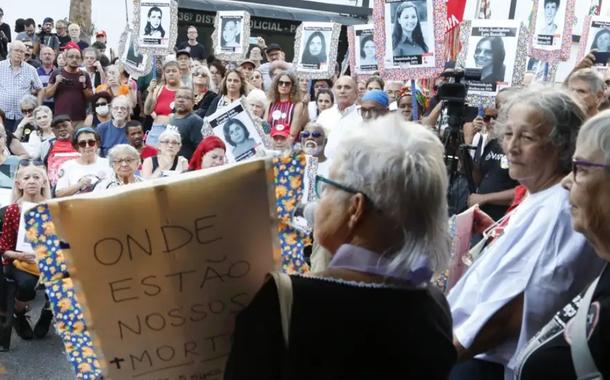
column 165, row 101
column 281, row 113
column 10, row 228
column 60, row 152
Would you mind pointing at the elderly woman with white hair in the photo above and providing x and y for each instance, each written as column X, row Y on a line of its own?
column 536, row 262
column 257, row 104
column 125, row 161
column 27, row 125
column 167, row 162
column 112, row 132
column 548, row 355
column 371, row 314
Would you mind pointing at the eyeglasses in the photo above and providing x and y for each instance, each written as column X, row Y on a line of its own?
column 587, row 164
column 369, row 113
column 284, row 83
column 72, row 56
column 323, row 182
column 119, row 108
column 28, row 162
column 84, row 143
column 127, row 161
column 28, row 110
column 167, row 142
column 200, row 75
column 488, row 118
column 306, row 134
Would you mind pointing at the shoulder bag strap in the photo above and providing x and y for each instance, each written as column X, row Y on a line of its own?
column 284, row 292
column 584, row 365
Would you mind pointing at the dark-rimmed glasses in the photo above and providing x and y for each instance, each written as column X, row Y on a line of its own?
column 315, row 134
column 587, row 164
column 28, row 110
column 29, row 162
column 127, row 161
column 286, row 83
column 84, row 143
column 323, row 182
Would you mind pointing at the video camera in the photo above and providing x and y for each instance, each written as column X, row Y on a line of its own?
column 454, row 94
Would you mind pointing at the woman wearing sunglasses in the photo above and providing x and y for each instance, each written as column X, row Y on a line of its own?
column 81, row 175
column 285, row 105
column 548, row 356
column 370, row 315
column 31, row 185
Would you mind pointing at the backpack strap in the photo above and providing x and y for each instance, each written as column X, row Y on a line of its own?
column 584, row 365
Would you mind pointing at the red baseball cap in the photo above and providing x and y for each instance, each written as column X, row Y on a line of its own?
column 280, row 130
column 71, row 45
column 101, row 33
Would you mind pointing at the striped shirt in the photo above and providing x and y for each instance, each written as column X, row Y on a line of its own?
column 14, row 85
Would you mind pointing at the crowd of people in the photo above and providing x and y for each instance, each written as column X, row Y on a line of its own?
column 537, row 174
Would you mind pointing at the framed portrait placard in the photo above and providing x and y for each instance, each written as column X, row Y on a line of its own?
column 135, row 63
column 498, row 49
column 156, row 24
column 596, row 35
column 362, row 50
column 315, row 50
column 234, row 125
column 551, row 25
column 409, row 37
column 231, row 35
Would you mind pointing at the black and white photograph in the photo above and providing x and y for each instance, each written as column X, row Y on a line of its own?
column 492, row 49
column 314, row 46
column 364, row 49
column 135, row 62
column 550, row 20
column 155, row 24
column 410, row 34
column 231, row 32
column 598, row 38
column 132, row 56
column 234, row 125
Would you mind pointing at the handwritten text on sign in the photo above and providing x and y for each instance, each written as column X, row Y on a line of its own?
column 163, row 274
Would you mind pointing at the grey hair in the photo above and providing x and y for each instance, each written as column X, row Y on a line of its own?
column 595, row 135
column 590, row 76
column 40, row 109
column 122, row 149
column 171, row 131
column 203, row 69
column 29, row 100
column 122, row 98
column 557, row 109
column 259, row 96
column 400, row 167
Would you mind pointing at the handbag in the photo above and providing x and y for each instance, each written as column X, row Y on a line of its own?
column 284, row 292
column 584, row 365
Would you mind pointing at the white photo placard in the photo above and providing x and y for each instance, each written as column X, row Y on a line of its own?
column 156, row 23
column 363, row 49
column 231, row 35
column 315, row 50
column 234, row 125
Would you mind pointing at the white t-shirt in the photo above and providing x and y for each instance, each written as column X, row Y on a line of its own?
column 71, row 171
column 335, row 123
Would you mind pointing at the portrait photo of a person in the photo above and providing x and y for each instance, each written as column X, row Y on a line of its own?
column 314, row 52
column 231, row 31
column 133, row 56
column 407, row 36
column 601, row 41
column 550, row 11
column 153, row 26
column 489, row 56
column 367, row 51
column 238, row 136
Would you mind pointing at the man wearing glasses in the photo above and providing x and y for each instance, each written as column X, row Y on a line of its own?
column 188, row 123
column 17, row 79
column 70, row 87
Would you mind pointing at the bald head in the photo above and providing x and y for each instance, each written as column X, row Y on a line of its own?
column 346, row 92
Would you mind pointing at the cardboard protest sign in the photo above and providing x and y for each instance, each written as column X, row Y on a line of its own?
column 162, row 267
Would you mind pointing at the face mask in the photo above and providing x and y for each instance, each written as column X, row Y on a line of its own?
column 102, row 110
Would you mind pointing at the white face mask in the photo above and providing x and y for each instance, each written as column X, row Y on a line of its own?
column 102, row 110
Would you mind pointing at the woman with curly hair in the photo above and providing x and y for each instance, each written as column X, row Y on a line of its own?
column 286, row 107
